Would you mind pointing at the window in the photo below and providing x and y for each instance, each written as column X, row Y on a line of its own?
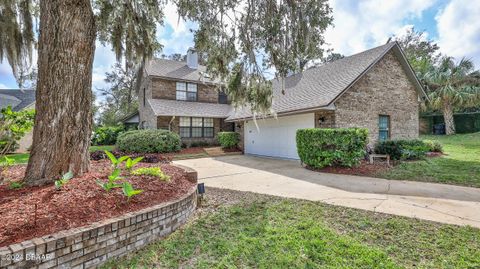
column 196, row 127
column 222, row 98
column 186, row 91
column 383, row 127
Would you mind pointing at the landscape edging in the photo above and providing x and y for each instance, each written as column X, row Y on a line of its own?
column 91, row 246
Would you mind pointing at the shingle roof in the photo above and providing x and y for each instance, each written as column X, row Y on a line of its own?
column 162, row 107
column 320, row 86
column 17, row 99
column 176, row 70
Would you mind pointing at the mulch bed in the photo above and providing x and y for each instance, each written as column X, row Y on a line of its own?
column 364, row 169
column 80, row 202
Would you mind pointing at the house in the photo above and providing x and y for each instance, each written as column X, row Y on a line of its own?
column 180, row 97
column 19, row 100
column 374, row 89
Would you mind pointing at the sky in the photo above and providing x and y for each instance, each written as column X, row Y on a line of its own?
column 358, row 25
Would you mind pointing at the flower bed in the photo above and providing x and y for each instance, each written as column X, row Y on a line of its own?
column 33, row 212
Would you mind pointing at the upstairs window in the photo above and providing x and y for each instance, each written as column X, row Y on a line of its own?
column 383, row 127
column 186, row 91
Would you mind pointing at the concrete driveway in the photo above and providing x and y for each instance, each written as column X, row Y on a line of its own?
column 435, row 202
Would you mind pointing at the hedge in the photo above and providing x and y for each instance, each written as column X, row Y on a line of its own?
column 106, row 135
column 228, row 139
column 413, row 149
column 148, row 141
column 319, row 148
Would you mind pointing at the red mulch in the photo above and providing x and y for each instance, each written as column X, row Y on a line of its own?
column 80, row 202
column 232, row 150
column 364, row 169
column 194, row 150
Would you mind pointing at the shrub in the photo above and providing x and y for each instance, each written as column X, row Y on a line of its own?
column 148, row 141
column 434, row 146
column 147, row 158
column 403, row 149
column 228, row 139
column 319, row 148
column 106, row 135
column 151, row 171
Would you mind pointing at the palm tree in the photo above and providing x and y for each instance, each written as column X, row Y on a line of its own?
column 452, row 86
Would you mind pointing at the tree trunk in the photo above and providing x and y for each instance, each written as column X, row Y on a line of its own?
column 63, row 120
column 448, row 118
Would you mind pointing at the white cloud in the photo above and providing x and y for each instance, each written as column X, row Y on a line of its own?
column 458, row 28
column 359, row 25
column 2, row 86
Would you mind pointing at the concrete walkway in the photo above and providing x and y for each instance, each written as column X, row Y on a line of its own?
column 435, row 202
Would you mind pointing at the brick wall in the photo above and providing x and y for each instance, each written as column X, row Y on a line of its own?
column 325, row 119
column 384, row 90
column 91, row 246
column 166, row 89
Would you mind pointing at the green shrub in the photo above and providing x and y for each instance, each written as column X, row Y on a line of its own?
column 228, row 139
column 433, row 145
column 151, row 171
column 413, row 149
column 106, row 135
column 148, row 141
column 319, row 148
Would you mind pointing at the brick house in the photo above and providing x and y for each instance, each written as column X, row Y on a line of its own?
column 375, row 89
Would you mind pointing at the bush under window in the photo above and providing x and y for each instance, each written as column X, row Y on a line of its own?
column 148, row 141
column 228, row 139
column 319, row 148
column 413, row 149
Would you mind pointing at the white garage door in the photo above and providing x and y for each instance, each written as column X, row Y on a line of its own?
column 276, row 137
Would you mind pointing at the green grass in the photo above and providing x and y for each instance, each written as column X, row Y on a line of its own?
column 288, row 233
column 95, row 148
column 460, row 166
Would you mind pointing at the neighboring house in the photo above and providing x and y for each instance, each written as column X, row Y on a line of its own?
column 19, row 100
column 375, row 89
column 131, row 121
column 179, row 96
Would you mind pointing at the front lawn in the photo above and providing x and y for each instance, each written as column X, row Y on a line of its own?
column 245, row 230
column 460, row 165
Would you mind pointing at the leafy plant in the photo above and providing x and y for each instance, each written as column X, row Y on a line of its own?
column 413, row 149
column 129, row 191
column 151, row 171
column 319, row 148
column 148, row 141
column 115, row 162
column 433, row 145
column 129, row 164
column 7, row 162
column 13, row 185
column 64, row 180
column 112, row 179
column 106, row 135
column 228, row 139
column 13, row 126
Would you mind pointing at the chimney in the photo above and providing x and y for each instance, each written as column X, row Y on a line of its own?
column 192, row 58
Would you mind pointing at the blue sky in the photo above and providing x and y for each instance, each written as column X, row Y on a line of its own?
column 358, row 25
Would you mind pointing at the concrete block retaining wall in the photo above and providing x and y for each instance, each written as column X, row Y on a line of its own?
column 91, row 246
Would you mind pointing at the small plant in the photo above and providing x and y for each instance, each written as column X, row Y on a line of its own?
column 14, row 185
column 129, row 191
column 151, row 171
column 129, row 164
column 228, row 139
column 115, row 162
column 112, row 179
column 7, row 162
column 64, row 180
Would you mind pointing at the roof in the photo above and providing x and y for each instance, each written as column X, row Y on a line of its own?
column 319, row 87
column 162, row 107
column 171, row 69
column 16, row 98
column 131, row 118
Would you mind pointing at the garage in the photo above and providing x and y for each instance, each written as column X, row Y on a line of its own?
column 276, row 137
